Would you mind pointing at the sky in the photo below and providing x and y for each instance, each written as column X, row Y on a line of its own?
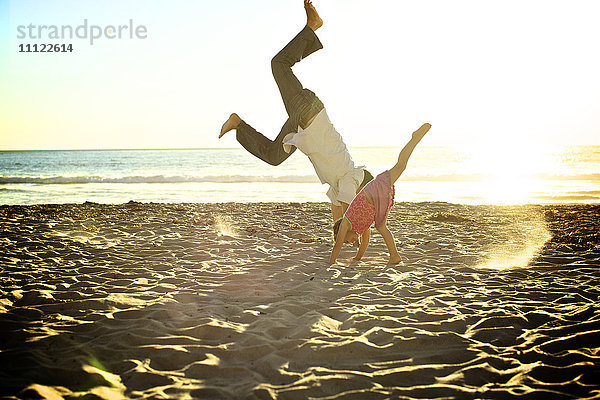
column 494, row 74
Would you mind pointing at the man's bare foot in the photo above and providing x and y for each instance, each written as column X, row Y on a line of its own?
column 232, row 123
column 419, row 133
column 313, row 20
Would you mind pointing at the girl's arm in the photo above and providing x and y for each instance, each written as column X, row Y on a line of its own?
column 339, row 241
column 364, row 243
column 390, row 243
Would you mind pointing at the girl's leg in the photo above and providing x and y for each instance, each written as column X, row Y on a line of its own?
column 390, row 243
column 400, row 166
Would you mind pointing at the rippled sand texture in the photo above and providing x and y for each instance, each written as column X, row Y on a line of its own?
column 235, row 301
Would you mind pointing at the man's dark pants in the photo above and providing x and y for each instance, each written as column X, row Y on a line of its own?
column 301, row 104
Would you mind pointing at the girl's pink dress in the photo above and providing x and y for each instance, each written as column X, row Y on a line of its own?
column 361, row 214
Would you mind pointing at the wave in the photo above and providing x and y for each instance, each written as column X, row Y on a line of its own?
column 486, row 177
column 65, row 180
column 569, row 197
column 578, row 177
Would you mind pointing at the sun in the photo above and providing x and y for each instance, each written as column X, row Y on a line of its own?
column 511, row 173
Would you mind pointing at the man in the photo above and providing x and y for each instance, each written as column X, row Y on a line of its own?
column 308, row 127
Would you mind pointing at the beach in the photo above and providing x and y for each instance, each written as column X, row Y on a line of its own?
column 237, row 301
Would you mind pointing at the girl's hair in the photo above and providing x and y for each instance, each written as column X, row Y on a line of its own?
column 336, row 227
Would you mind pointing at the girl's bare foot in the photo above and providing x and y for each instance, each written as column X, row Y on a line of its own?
column 313, row 20
column 419, row 133
column 232, row 123
column 395, row 260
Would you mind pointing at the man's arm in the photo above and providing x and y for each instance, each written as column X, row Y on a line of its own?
column 364, row 243
column 339, row 241
column 338, row 211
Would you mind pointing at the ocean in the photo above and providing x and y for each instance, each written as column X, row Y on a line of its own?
column 448, row 174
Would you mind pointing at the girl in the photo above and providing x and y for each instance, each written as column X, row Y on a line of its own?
column 371, row 205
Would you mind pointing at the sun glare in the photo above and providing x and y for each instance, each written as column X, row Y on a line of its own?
column 510, row 173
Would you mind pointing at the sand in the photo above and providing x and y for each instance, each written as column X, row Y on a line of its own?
column 236, row 301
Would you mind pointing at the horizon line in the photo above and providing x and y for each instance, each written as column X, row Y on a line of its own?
column 241, row 148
